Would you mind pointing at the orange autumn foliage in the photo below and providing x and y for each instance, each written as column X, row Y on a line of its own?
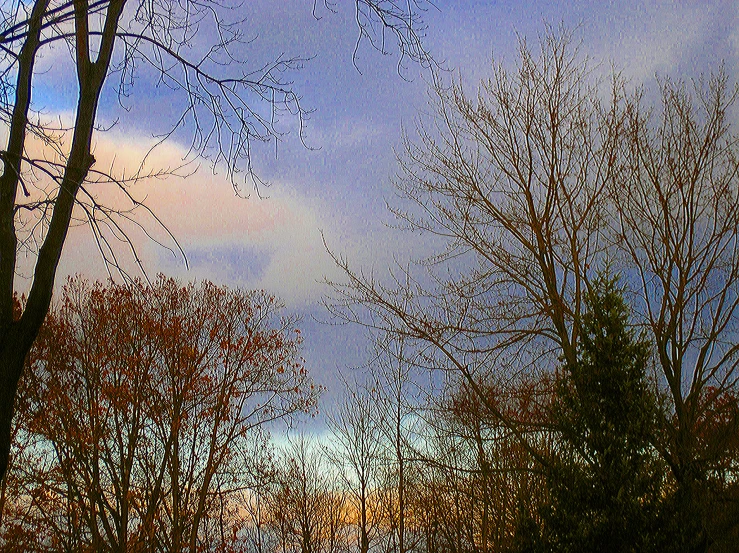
column 142, row 416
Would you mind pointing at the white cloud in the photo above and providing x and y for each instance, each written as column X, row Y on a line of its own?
column 272, row 242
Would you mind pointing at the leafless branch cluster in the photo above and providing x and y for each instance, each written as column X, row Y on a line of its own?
column 537, row 184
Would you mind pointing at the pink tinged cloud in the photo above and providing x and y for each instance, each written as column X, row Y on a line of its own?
column 202, row 212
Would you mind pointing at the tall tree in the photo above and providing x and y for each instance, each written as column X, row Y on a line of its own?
column 535, row 183
column 223, row 107
column 397, row 400
column 356, row 452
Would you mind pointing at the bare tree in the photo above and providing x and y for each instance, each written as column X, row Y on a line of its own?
column 516, row 183
column 398, row 408
column 226, row 106
column 536, row 183
column 307, row 512
column 356, row 452
column 678, row 227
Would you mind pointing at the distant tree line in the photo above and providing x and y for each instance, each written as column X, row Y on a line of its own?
column 143, row 426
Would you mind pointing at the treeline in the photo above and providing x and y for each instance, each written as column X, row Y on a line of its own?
column 143, row 425
column 533, row 192
column 566, row 460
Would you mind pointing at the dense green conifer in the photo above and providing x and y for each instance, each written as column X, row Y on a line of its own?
column 605, row 481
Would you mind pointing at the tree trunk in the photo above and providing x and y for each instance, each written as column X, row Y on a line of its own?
column 17, row 336
column 14, row 346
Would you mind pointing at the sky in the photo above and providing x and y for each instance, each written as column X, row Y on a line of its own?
column 334, row 184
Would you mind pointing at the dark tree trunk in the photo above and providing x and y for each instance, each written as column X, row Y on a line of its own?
column 14, row 346
column 17, row 336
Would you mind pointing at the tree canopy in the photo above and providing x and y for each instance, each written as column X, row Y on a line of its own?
column 144, row 414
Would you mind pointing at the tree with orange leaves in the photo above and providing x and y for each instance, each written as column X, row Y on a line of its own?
column 147, row 405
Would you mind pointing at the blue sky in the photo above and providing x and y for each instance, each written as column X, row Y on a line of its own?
column 339, row 185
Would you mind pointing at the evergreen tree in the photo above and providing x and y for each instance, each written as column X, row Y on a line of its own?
column 605, row 479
